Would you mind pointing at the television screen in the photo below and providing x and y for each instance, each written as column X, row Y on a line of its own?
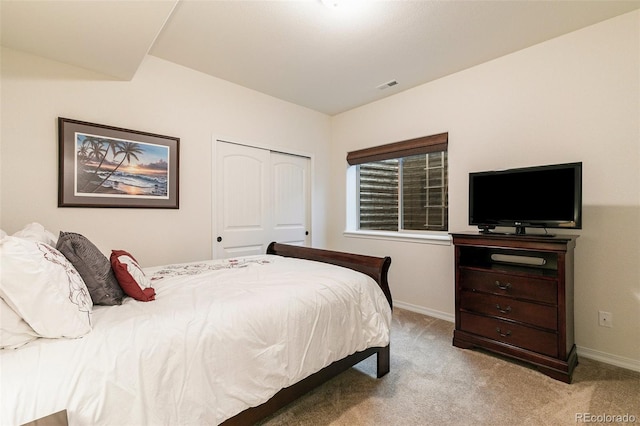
column 543, row 196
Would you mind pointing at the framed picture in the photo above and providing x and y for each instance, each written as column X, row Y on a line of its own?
column 104, row 166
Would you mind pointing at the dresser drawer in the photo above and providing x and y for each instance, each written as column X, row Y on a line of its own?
column 537, row 289
column 505, row 307
column 514, row 334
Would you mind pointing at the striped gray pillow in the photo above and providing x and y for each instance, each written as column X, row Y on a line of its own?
column 93, row 267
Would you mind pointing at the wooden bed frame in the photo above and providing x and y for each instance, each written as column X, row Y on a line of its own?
column 375, row 267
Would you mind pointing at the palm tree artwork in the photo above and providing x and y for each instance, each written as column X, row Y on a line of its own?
column 115, row 167
column 96, row 148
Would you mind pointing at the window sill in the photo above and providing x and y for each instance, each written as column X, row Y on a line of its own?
column 443, row 239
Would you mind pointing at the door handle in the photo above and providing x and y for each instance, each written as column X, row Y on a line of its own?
column 219, row 239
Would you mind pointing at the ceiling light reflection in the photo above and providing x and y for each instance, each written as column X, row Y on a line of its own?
column 344, row 7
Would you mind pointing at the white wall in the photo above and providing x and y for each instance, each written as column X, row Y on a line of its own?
column 574, row 98
column 162, row 98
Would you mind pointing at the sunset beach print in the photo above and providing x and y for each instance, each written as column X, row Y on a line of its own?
column 112, row 167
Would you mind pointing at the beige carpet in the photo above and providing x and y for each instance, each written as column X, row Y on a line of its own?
column 432, row 382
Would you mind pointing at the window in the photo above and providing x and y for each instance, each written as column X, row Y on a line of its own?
column 403, row 186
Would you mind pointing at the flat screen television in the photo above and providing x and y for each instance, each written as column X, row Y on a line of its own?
column 548, row 196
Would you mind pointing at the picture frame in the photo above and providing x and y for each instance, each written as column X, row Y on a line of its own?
column 106, row 166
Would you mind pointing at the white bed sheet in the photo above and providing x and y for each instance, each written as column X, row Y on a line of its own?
column 220, row 337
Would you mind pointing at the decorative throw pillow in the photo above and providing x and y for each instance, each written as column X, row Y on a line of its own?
column 131, row 277
column 36, row 232
column 44, row 289
column 93, row 266
column 14, row 331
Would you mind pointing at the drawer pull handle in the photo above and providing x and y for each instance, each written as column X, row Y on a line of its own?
column 501, row 286
column 503, row 311
column 506, row 334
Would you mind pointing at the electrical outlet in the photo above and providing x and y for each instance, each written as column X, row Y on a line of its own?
column 605, row 319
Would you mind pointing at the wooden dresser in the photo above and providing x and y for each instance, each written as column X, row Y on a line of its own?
column 514, row 296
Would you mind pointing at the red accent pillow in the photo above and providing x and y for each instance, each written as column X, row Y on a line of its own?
column 130, row 276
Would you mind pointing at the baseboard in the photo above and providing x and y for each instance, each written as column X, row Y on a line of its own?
column 425, row 311
column 607, row 358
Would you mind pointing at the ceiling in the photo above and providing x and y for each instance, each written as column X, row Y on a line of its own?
column 330, row 59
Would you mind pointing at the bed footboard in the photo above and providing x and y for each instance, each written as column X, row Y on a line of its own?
column 293, row 392
column 375, row 267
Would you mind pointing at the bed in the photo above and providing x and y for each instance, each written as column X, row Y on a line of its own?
column 219, row 342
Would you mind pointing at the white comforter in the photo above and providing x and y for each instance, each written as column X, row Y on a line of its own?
column 220, row 337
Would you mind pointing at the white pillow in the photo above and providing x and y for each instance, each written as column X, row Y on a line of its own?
column 14, row 331
column 44, row 288
column 36, row 232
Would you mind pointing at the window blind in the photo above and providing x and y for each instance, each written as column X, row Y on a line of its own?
column 379, row 195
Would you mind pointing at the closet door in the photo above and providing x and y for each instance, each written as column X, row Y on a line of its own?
column 242, row 200
column 260, row 196
column 291, row 186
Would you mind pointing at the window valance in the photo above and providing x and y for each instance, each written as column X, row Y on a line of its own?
column 422, row 145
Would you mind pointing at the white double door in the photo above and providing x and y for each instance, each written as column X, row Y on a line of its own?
column 259, row 196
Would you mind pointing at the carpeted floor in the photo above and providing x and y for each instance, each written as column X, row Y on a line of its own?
column 433, row 383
